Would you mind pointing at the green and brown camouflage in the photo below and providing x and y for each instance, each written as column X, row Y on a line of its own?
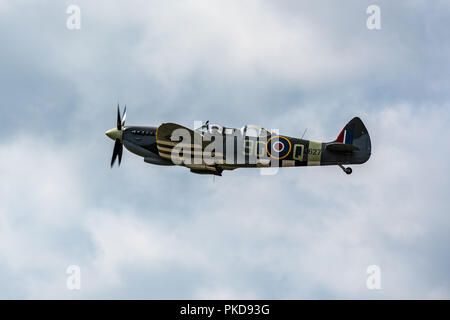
column 213, row 149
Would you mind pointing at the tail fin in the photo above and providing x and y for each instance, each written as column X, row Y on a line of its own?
column 353, row 138
column 352, row 131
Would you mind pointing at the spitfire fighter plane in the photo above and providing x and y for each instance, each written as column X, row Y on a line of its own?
column 211, row 149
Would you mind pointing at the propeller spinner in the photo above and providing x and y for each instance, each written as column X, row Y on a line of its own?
column 116, row 135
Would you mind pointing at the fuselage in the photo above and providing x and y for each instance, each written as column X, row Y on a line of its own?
column 295, row 152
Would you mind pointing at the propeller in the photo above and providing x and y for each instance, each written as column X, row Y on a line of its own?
column 116, row 135
column 118, row 148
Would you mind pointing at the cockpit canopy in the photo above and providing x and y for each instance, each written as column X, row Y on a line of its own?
column 249, row 130
column 252, row 130
column 215, row 129
column 211, row 128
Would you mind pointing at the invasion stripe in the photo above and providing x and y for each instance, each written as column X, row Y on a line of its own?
column 192, row 159
column 190, row 152
column 174, row 143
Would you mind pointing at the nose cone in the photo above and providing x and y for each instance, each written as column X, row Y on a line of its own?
column 114, row 134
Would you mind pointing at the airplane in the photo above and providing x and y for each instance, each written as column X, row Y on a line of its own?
column 212, row 149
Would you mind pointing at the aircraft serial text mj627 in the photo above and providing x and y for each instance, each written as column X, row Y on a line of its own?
column 211, row 149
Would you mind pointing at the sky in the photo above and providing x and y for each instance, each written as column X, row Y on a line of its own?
column 149, row 232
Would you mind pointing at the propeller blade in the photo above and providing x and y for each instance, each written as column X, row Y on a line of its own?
column 118, row 148
column 119, row 121
column 124, row 115
column 120, row 152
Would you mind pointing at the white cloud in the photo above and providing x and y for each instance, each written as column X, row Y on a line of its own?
column 293, row 235
column 148, row 232
column 125, row 241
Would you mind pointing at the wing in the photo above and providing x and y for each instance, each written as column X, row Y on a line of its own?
column 169, row 135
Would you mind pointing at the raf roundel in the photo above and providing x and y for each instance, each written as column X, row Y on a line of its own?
column 278, row 147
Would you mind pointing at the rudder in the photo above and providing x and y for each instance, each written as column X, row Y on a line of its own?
column 355, row 133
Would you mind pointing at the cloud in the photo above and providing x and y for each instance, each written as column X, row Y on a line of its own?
column 144, row 231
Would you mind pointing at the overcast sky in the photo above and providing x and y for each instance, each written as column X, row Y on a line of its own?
column 143, row 231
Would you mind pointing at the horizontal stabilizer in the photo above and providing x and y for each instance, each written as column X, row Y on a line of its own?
column 341, row 147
